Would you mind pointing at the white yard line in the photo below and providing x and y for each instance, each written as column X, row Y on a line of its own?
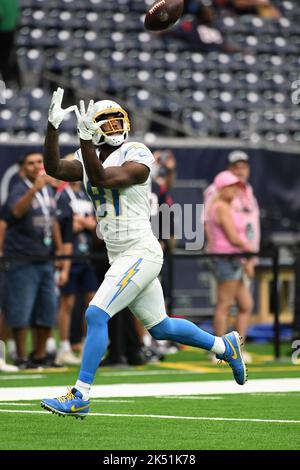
column 157, row 389
column 188, row 398
column 12, row 403
column 193, row 418
column 22, row 377
column 147, row 372
column 100, row 400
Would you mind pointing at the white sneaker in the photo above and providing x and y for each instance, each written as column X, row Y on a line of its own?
column 11, row 349
column 212, row 357
column 247, row 357
column 67, row 357
column 7, row 367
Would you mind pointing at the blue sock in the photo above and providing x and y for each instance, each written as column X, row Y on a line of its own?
column 183, row 331
column 95, row 344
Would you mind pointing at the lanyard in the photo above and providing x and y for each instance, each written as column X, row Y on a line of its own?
column 71, row 193
column 43, row 199
column 82, row 237
column 76, row 202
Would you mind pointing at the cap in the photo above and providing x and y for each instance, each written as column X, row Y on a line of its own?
column 226, row 178
column 237, row 156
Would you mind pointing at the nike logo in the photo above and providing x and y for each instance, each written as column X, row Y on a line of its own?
column 234, row 356
column 74, row 409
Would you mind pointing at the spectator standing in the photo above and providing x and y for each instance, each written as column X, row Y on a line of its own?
column 4, row 367
column 163, row 175
column 135, row 346
column 124, row 342
column 228, row 235
column 83, row 277
column 245, row 201
column 30, row 298
column 162, row 179
column 62, row 266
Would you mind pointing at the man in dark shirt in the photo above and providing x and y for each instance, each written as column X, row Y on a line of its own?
column 163, row 176
column 30, row 298
column 83, row 277
column 4, row 367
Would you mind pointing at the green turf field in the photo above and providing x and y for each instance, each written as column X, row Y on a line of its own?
column 214, row 421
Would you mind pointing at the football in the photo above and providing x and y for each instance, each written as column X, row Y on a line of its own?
column 163, row 14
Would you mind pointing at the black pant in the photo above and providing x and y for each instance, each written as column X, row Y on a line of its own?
column 123, row 337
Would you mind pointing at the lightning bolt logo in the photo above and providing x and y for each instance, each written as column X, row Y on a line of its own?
column 126, row 279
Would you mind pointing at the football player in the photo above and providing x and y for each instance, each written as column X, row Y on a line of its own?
column 116, row 175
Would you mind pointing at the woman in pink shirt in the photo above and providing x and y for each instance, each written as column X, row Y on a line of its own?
column 244, row 201
column 227, row 229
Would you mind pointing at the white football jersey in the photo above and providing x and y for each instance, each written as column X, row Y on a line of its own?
column 124, row 214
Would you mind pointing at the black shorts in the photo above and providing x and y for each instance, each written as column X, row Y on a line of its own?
column 82, row 279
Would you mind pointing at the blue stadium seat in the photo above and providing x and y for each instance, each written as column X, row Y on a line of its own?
column 7, row 120
column 86, row 78
column 140, row 98
column 69, row 124
column 82, row 40
column 13, row 99
column 37, row 98
column 197, row 121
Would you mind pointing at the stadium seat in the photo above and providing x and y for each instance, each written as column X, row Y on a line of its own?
column 82, row 40
column 37, row 98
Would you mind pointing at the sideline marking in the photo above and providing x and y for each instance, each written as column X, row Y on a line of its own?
column 22, row 377
column 11, row 403
column 209, row 368
column 100, row 400
column 146, row 372
column 190, row 398
column 197, row 418
column 216, row 387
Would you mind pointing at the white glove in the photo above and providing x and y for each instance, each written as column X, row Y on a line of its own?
column 86, row 127
column 56, row 113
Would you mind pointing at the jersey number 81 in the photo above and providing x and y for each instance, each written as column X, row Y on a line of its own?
column 99, row 198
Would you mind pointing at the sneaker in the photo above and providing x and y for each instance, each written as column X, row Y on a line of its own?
column 247, row 357
column 213, row 358
column 70, row 404
column 137, row 358
column 233, row 355
column 11, row 350
column 23, row 364
column 67, row 357
column 45, row 362
column 7, row 367
column 110, row 361
column 151, row 355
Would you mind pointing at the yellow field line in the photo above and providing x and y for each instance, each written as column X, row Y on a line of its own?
column 221, row 368
column 257, row 357
column 184, row 366
column 49, row 370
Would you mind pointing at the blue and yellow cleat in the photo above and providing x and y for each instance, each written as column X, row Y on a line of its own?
column 70, row 404
column 233, row 355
